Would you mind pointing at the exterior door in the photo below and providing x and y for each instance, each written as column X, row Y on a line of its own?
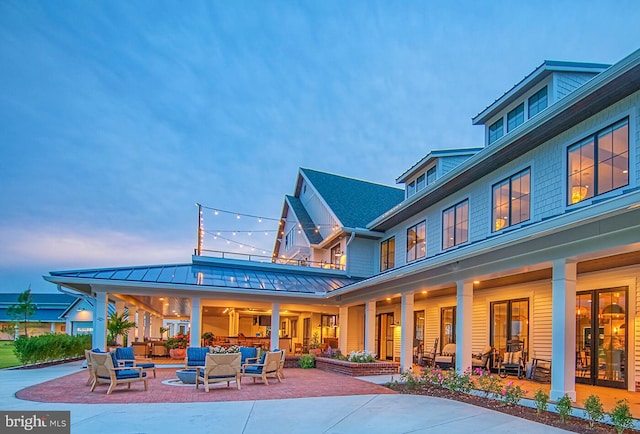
column 384, row 336
column 601, row 337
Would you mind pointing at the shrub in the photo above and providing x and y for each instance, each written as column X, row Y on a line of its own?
column 362, row 356
column 49, row 347
column 593, row 407
column 541, row 399
column 307, row 361
column 512, row 394
column 458, row 382
column 412, row 381
column 564, row 408
column 488, row 383
column 621, row 416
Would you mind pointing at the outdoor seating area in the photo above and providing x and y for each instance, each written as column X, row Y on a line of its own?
column 126, row 357
column 106, row 371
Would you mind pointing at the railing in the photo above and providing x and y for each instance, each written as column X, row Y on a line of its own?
column 270, row 259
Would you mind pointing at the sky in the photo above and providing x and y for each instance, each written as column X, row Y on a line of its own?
column 117, row 117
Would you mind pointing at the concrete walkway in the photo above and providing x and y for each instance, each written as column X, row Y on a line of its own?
column 347, row 414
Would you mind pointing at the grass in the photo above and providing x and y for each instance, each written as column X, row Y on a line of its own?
column 7, row 356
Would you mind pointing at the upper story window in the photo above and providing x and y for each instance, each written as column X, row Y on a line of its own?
column 511, row 201
column 431, row 175
column 496, row 130
column 599, row 163
column 515, row 117
column 387, row 254
column 289, row 239
column 537, row 102
column 416, row 241
column 411, row 188
column 455, row 225
column 421, row 182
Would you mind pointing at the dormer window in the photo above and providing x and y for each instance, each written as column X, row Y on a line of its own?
column 421, row 181
column 537, row 102
column 515, row 117
column 431, row 175
column 496, row 130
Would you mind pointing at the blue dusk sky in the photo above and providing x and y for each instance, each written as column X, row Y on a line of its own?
column 117, row 117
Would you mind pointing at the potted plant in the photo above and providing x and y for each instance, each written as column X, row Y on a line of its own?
column 177, row 346
column 118, row 325
column 314, row 346
column 208, row 337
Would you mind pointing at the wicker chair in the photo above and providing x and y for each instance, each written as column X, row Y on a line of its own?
column 267, row 367
column 105, row 371
column 219, row 368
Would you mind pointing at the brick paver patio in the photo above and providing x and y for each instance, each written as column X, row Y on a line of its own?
column 299, row 383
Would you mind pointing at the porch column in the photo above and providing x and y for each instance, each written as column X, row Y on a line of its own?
column 196, row 322
column 99, row 337
column 119, row 311
column 464, row 325
column 563, row 329
column 68, row 326
column 343, row 320
column 406, row 332
column 147, row 325
column 140, row 325
column 370, row 326
column 275, row 326
column 131, row 315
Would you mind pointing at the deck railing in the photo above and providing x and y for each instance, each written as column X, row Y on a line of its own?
column 270, row 259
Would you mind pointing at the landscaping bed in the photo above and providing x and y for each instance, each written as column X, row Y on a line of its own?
column 354, row 369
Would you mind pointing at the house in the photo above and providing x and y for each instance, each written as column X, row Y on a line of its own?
column 535, row 237
column 45, row 319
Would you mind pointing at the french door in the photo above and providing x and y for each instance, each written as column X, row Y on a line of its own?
column 601, row 337
column 384, row 336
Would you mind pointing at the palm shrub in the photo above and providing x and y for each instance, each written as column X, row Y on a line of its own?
column 541, row 399
column 564, row 408
column 593, row 407
column 621, row 416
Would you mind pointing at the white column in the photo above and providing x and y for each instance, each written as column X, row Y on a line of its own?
column 343, row 320
column 563, row 329
column 68, row 327
column 141, row 324
column 147, row 325
column 406, row 332
column 52, row 327
column 99, row 339
column 464, row 318
column 196, row 322
column 275, row 326
column 131, row 315
column 370, row 326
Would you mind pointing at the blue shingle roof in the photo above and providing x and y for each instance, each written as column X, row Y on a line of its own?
column 308, row 226
column 354, row 202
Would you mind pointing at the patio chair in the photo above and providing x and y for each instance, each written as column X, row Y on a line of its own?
column 447, row 358
column 268, row 367
column 428, row 359
column 92, row 377
column 196, row 356
column 297, row 348
column 483, row 359
column 281, row 365
column 126, row 357
column 106, row 371
column 248, row 354
column 513, row 359
column 219, row 368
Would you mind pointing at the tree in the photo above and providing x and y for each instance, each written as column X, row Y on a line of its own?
column 118, row 325
column 24, row 309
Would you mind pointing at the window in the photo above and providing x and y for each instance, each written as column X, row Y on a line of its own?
column 515, row 117
column 289, row 240
column 455, row 225
column 411, row 188
column 599, row 163
column 511, row 201
column 294, row 328
column 495, row 131
column 447, row 326
column 537, row 102
column 420, row 182
column 387, row 254
column 431, row 175
column 509, row 320
column 416, row 241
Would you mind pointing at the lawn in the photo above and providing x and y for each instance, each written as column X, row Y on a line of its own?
column 7, row 356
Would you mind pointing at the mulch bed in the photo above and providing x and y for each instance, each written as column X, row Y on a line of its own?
column 298, row 383
column 573, row 424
